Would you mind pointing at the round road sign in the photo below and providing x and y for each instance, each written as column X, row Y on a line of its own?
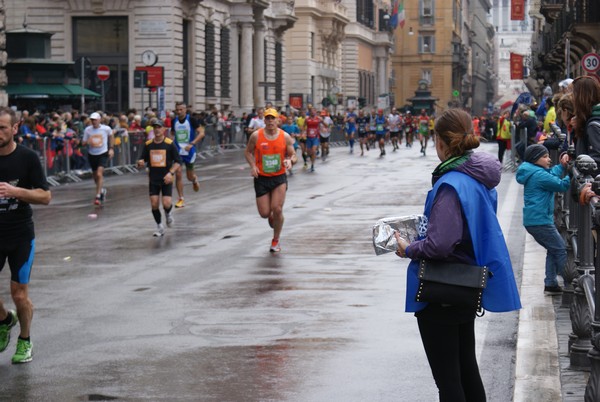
column 103, row 72
column 590, row 62
column 455, row 93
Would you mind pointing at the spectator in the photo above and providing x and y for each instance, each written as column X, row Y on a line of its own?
column 586, row 123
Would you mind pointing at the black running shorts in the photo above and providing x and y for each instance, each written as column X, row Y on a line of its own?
column 265, row 184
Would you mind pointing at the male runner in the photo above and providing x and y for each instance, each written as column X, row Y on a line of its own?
column 292, row 129
column 394, row 123
column 162, row 157
column 423, row 122
column 362, row 123
column 409, row 128
column 350, row 120
column 325, row 133
column 269, row 152
column 313, row 122
column 100, row 142
column 380, row 131
column 22, row 182
column 187, row 132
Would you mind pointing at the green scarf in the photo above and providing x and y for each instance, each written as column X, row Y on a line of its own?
column 448, row 165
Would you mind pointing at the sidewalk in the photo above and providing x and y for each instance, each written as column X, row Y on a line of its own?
column 542, row 370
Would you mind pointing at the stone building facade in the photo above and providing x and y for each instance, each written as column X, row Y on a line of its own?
column 224, row 54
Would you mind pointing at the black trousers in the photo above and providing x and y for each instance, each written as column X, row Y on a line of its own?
column 502, row 145
column 449, row 342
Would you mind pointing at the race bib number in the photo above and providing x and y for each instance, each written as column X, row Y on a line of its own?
column 96, row 141
column 312, row 132
column 380, row 127
column 158, row 158
column 182, row 136
column 271, row 163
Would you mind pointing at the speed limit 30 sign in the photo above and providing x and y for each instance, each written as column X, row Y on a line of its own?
column 591, row 62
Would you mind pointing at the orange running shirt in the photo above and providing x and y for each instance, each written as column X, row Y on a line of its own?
column 269, row 154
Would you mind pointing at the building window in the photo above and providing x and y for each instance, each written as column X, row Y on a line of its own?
column 426, row 75
column 225, row 63
column 426, row 44
column 209, row 69
column 426, row 12
column 312, row 45
column 365, row 13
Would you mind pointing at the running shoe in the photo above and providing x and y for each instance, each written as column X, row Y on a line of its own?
column 180, row 203
column 305, row 166
column 170, row 219
column 196, row 185
column 97, row 201
column 275, row 246
column 102, row 195
column 312, row 168
column 24, row 353
column 5, row 330
column 160, row 231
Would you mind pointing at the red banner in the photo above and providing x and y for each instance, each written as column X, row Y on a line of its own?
column 516, row 66
column 517, row 10
column 295, row 101
column 154, row 77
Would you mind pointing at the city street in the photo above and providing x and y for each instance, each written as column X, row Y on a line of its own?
column 206, row 313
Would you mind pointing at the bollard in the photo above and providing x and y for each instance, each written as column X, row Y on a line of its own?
column 580, row 313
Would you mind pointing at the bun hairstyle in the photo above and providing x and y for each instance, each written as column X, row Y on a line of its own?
column 455, row 128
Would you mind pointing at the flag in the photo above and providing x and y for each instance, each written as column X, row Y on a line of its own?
column 516, row 66
column 517, row 10
column 394, row 18
column 401, row 14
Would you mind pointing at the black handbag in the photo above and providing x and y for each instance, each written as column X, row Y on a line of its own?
column 452, row 283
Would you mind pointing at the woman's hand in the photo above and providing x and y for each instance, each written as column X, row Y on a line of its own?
column 402, row 245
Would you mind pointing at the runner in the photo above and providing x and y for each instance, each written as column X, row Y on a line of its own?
column 350, row 121
column 269, row 153
column 292, row 129
column 362, row 122
column 423, row 122
column 325, row 133
column 22, row 182
column 162, row 158
column 372, row 128
column 394, row 123
column 313, row 122
column 409, row 128
column 301, row 122
column 187, row 132
column 100, row 142
column 380, row 125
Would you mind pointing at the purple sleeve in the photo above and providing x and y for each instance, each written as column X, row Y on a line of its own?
column 444, row 230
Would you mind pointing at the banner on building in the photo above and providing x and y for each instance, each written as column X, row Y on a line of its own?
column 296, row 101
column 517, row 10
column 516, row 66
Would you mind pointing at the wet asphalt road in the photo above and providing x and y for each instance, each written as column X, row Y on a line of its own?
column 208, row 314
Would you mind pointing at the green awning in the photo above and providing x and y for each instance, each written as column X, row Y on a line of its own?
column 44, row 91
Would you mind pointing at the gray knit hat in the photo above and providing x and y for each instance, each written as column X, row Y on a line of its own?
column 535, row 152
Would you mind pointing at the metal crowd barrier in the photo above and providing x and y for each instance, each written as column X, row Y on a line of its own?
column 579, row 223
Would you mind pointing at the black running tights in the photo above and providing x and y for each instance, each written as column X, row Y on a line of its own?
column 450, row 349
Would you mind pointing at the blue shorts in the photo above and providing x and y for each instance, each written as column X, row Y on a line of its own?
column 312, row 142
column 350, row 130
column 20, row 260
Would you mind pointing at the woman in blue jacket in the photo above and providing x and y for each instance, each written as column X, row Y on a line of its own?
column 462, row 227
column 541, row 182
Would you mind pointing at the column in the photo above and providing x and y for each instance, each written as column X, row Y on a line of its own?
column 245, row 68
column 235, row 65
column 259, row 64
column 382, row 76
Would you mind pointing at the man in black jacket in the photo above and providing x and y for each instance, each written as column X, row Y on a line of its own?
column 529, row 125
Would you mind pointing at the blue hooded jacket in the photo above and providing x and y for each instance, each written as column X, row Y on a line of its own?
column 540, row 186
column 478, row 204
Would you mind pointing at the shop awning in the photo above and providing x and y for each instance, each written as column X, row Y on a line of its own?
column 45, row 91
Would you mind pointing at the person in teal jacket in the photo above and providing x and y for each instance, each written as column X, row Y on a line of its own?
column 541, row 182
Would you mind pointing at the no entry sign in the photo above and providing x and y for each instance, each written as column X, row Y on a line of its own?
column 103, row 73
